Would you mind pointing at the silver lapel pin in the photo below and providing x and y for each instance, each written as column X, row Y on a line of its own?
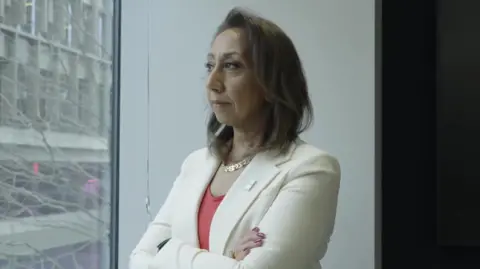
column 250, row 185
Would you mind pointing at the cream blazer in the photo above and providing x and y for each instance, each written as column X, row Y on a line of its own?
column 291, row 197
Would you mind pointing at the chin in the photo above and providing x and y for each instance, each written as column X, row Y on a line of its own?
column 224, row 119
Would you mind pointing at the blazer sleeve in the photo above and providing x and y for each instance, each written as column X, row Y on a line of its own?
column 298, row 225
column 158, row 230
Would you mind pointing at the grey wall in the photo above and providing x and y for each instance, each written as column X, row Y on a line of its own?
column 335, row 39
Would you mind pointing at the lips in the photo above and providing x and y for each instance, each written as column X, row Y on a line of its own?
column 219, row 103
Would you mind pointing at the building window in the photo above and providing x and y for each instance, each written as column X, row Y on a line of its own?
column 83, row 101
column 47, row 98
column 100, row 34
column 69, row 26
column 29, row 26
column 55, row 178
column 22, row 94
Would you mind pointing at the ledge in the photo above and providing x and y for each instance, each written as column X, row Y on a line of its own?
column 27, row 236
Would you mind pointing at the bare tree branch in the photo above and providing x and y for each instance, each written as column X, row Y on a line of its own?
column 54, row 195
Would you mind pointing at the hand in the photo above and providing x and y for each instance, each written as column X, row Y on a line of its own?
column 253, row 239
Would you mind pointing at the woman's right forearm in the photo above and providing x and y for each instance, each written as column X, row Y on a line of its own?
column 143, row 254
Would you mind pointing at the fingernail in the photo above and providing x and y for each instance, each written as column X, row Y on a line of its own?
column 262, row 235
column 258, row 241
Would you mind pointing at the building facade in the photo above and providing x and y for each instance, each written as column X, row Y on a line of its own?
column 55, row 87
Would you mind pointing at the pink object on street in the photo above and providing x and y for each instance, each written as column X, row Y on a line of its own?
column 92, row 186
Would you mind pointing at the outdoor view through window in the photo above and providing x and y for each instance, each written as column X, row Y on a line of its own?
column 55, row 117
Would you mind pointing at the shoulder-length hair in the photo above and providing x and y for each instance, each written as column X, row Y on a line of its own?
column 279, row 70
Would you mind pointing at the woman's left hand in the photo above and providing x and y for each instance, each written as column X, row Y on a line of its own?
column 252, row 239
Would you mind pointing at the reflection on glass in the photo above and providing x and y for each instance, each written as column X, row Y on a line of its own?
column 55, row 82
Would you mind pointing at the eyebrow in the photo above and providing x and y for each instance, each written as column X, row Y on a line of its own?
column 225, row 55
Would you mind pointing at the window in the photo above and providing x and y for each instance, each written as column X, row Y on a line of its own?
column 47, row 96
column 29, row 25
column 55, row 165
column 21, row 92
column 68, row 28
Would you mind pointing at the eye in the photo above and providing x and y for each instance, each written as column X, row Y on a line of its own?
column 231, row 65
column 209, row 67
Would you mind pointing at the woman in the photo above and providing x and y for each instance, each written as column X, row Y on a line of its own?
column 257, row 197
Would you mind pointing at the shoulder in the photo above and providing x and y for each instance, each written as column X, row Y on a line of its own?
column 306, row 158
column 196, row 156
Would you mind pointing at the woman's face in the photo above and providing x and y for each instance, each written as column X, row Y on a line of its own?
column 233, row 91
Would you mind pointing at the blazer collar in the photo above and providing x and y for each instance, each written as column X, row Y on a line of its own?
column 200, row 175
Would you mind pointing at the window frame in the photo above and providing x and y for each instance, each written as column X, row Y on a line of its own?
column 115, row 136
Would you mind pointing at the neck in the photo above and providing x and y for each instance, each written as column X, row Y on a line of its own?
column 246, row 141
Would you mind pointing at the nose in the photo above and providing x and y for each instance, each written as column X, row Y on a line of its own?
column 215, row 81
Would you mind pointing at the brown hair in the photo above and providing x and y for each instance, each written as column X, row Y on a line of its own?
column 278, row 68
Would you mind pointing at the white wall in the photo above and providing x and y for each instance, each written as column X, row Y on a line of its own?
column 335, row 39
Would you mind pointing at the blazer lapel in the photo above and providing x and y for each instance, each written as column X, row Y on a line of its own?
column 199, row 178
column 256, row 176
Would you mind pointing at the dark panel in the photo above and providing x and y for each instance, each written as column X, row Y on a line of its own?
column 458, row 122
column 408, row 133
column 408, row 127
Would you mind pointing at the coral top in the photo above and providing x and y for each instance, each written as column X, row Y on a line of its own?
column 206, row 211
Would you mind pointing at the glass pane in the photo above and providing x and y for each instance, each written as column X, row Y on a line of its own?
column 55, row 115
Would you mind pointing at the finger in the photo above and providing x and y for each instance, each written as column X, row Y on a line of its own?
column 252, row 244
column 249, row 238
column 252, row 236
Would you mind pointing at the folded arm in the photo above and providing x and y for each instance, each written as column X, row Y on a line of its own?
column 157, row 232
column 298, row 226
